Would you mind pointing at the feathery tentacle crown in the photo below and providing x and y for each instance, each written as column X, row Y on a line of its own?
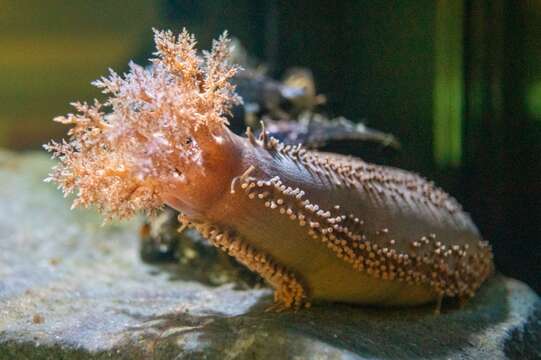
column 157, row 121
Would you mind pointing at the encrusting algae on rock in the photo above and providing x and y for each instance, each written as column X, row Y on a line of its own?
column 315, row 226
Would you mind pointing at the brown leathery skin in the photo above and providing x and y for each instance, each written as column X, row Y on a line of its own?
column 346, row 230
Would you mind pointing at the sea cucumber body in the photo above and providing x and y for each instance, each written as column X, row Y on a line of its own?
column 346, row 230
column 315, row 226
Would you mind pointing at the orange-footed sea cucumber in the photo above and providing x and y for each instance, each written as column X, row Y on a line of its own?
column 316, row 226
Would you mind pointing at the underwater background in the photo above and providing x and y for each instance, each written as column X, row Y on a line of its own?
column 458, row 83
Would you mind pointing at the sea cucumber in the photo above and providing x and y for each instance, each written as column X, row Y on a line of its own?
column 316, row 226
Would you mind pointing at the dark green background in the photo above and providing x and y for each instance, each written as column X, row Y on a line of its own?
column 459, row 83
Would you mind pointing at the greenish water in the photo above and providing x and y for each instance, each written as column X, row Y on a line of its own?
column 52, row 50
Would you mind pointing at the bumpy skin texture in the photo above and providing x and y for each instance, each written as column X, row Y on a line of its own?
column 316, row 226
column 337, row 228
